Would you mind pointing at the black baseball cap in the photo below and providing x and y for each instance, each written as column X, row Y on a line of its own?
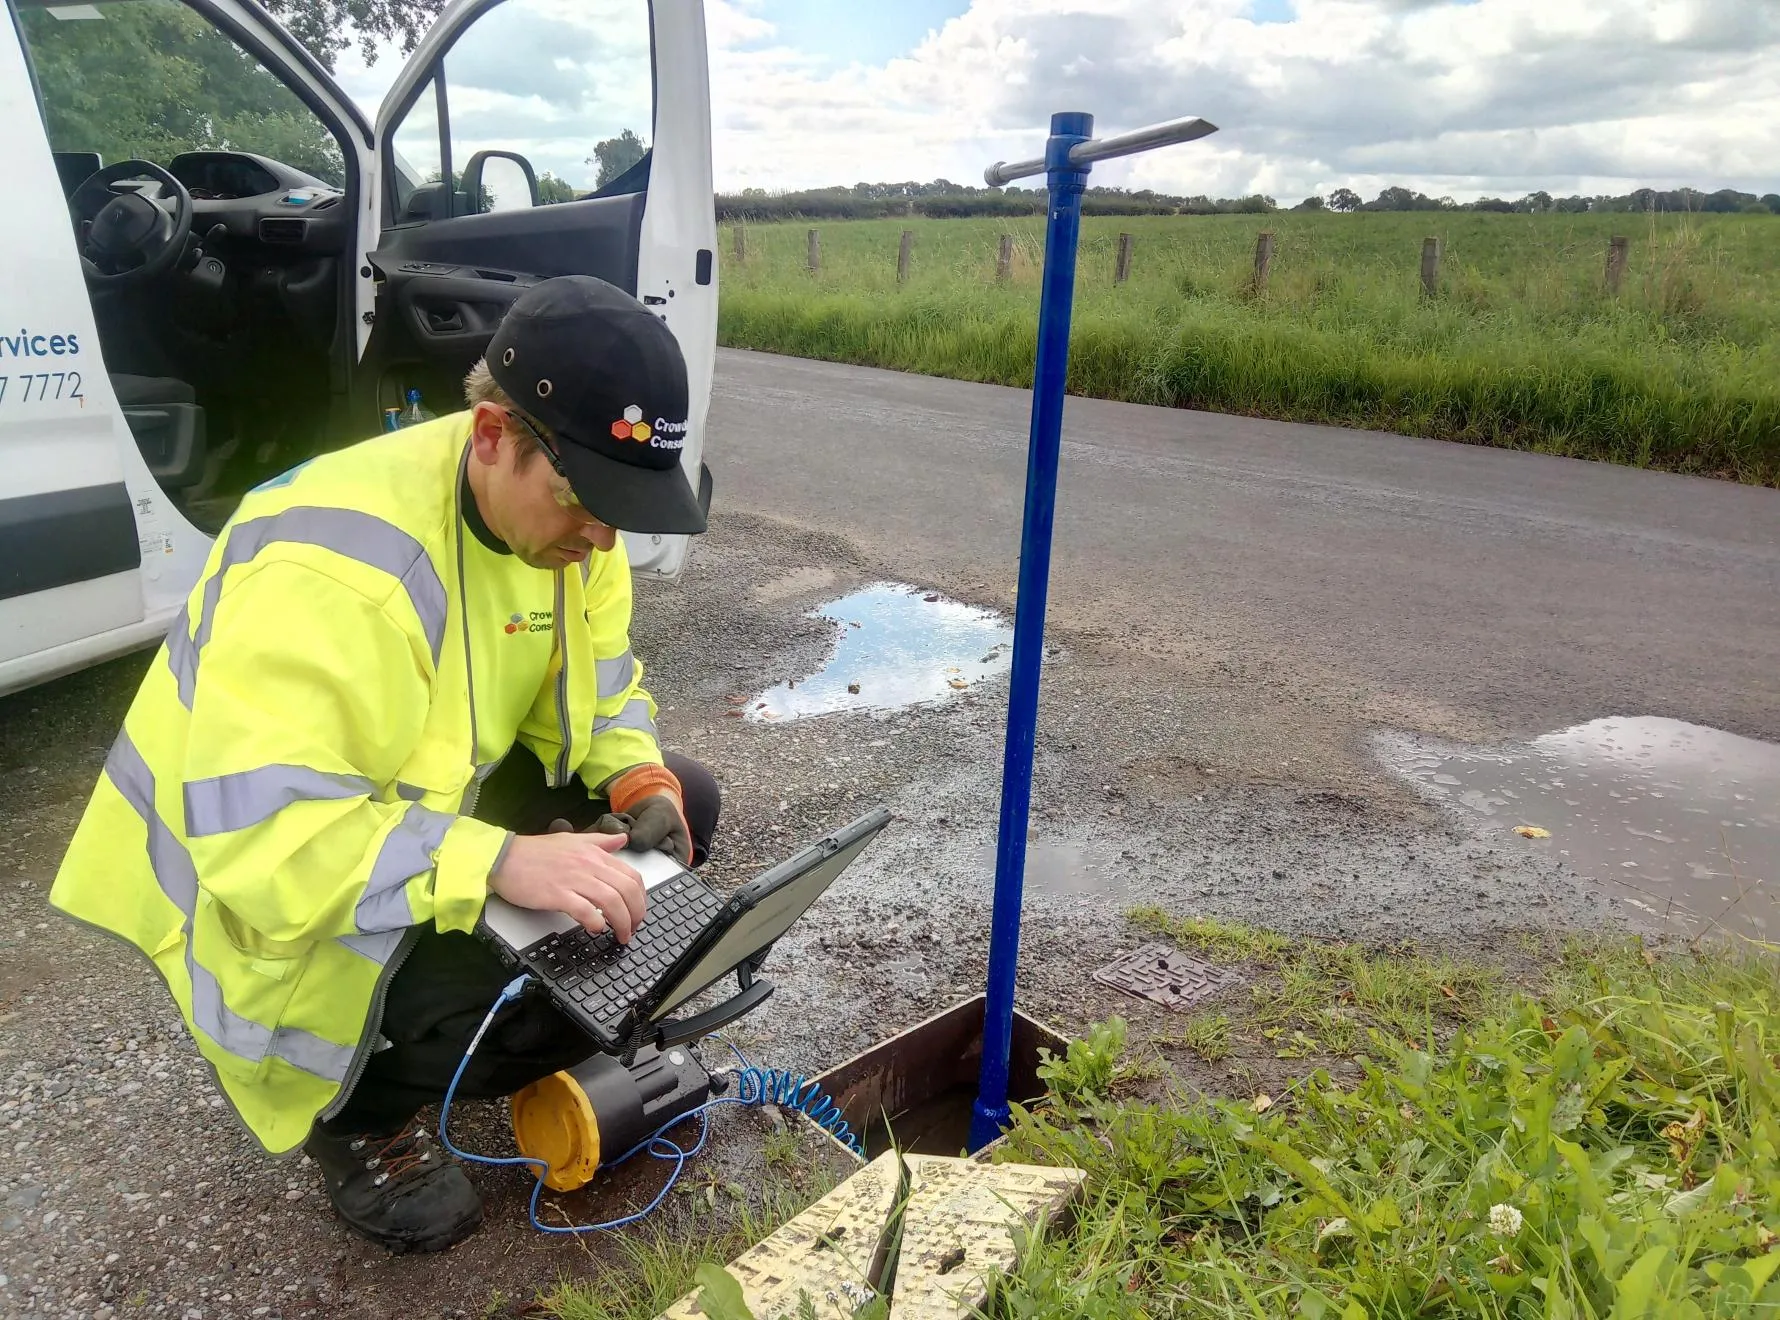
column 606, row 375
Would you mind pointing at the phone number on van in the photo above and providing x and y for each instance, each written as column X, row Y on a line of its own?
column 41, row 387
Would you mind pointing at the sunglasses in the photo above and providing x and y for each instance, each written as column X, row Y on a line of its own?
column 550, row 453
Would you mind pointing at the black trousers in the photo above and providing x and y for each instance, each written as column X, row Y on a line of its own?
column 438, row 997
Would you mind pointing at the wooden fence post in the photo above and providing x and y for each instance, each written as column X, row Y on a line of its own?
column 1122, row 271
column 815, row 251
column 902, row 256
column 741, row 244
column 1004, row 259
column 1263, row 259
column 1431, row 249
column 1619, row 248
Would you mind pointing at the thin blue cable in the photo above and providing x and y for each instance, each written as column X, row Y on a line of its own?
column 754, row 1087
column 732, row 1047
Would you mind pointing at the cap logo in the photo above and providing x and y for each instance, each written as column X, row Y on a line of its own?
column 662, row 434
column 632, row 426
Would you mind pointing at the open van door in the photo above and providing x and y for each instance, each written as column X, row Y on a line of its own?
column 486, row 147
column 70, row 558
column 307, row 270
column 97, row 551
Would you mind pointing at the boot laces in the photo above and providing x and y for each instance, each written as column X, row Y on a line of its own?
column 391, row 1157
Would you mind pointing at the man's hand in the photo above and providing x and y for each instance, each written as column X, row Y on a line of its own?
column 575, row 874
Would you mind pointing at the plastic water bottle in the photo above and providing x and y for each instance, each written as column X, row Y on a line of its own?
column 416, row 413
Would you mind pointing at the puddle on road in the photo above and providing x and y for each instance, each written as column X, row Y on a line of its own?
column 1064, row 870
column 1684, row 819
column 897, row 646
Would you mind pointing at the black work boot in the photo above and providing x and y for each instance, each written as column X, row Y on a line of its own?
column 398, row 1189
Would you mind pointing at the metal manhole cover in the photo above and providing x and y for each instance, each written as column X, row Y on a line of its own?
column 1167, row 976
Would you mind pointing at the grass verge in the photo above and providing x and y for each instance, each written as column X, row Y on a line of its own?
column 1322, row 998
column 1608, row 1147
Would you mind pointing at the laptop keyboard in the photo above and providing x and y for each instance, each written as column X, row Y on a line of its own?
column 603, row 977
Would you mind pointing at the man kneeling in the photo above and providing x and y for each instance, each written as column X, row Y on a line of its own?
column 407, row 665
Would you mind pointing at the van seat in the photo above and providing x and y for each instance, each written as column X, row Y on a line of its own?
column 149, row 391
column 168, row 424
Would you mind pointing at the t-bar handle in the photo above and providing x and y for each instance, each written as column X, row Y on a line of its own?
column 1125, row 144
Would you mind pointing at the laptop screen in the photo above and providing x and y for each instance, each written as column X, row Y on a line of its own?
column 770, row 918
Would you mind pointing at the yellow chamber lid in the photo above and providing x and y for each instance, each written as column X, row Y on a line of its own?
column 553, row 1121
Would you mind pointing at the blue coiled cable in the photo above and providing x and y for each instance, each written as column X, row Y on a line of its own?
column 775, row 1086
column 754, row 1086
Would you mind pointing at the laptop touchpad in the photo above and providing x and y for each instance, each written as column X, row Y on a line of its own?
column 654, row 867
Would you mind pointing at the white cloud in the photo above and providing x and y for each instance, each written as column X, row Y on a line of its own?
column 1495, row 96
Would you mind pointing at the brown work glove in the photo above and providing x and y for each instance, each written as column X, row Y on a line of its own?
column 649, row 796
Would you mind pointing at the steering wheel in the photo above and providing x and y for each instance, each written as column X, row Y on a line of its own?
column 132, row 233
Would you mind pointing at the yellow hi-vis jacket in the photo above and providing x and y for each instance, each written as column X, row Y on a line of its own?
column 287, row 804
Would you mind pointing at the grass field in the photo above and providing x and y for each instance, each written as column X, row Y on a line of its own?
column 1522, row 347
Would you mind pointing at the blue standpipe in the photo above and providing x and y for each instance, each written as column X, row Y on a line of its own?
column 989, row 1115
column 1070, row 153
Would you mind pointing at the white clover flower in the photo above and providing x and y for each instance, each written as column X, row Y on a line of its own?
column 1505, row 1220
column 1334, row 1228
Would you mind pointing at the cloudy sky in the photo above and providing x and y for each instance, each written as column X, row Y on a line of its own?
column 1459, row 97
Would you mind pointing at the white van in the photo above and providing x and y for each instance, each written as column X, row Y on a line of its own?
column 214, row 267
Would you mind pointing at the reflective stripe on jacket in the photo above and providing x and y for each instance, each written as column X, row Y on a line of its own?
column 279, row 812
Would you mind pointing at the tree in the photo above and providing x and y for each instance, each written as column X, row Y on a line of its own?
column 1394, row 198
column 616, row 155
column 152, row 80
column 324, row 25
column 552, row 189
column 1726, row 201
column 942, row 198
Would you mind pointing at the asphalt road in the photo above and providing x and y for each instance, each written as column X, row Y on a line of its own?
column 1321, row 580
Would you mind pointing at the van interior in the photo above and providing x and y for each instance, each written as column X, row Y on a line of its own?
column 213, row 214
column 211, row 233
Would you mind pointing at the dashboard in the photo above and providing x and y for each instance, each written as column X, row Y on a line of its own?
column 217, row 176
column 259, row 200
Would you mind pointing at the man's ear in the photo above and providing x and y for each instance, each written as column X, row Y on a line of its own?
column 488, row 423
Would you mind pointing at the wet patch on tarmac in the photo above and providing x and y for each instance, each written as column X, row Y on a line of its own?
column 896, row 646
column 1076, row 869
column 1682, row 818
